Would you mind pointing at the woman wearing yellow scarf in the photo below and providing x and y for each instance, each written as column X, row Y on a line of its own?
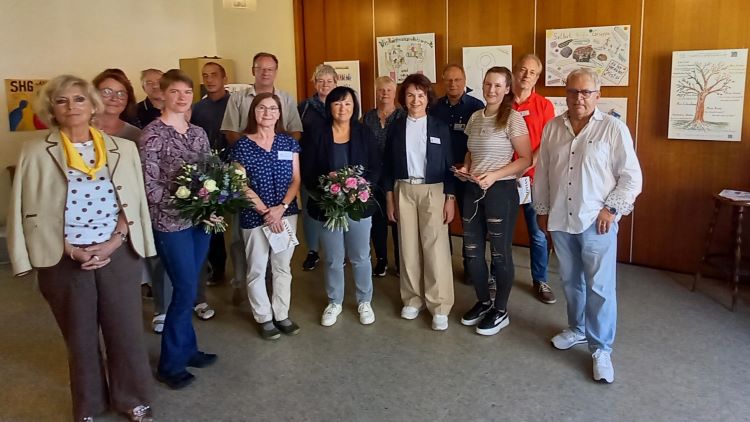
column 79, row 217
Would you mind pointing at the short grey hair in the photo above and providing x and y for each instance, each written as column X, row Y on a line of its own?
column 530, row 56
column 584, row 71
column 322, row 70
column 45, row 103
column 384, row 80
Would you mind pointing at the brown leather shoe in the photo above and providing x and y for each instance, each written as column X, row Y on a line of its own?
column 544, row 293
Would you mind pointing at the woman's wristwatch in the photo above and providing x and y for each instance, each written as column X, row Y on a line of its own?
column 450, row 196
column 123, row 236
column 286, row 206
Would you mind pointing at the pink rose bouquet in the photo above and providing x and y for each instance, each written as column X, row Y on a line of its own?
column 341, row 194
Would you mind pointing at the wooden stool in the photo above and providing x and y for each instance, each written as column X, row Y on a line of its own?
column 728, row 264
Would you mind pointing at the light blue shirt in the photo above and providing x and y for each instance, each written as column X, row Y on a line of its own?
column 416, row 146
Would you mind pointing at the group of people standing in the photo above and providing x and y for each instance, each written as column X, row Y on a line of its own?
column 425, row 158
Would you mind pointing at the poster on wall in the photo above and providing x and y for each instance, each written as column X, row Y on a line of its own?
column 348, row 75
column 605, row 49
column 614, row 106
column 477, row 60
column 402, row 55
column 20, row 95
column 707, row 95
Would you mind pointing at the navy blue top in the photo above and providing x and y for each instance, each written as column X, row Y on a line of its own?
column 340, row 157
column 208, row 114
column 269, row 173
column 456, row 116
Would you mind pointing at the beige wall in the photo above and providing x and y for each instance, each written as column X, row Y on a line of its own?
column 84, row 37
column 270, row 28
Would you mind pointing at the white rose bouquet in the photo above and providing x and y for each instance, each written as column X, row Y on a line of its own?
column 208, row 191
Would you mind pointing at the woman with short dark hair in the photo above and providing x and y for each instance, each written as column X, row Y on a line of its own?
column 420, row 196
column 168, row 143
column 342, row 143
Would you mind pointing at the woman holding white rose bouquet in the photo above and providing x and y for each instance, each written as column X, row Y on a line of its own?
column 167, row 144
column 270, row 159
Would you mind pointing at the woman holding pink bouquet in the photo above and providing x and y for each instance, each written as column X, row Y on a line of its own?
column 270, row 158
column 343, row 146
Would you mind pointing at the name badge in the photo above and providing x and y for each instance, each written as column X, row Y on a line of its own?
column 459, row 126
column 434, row 140
column 524, row 113
column 285, row 155
column 486, row 131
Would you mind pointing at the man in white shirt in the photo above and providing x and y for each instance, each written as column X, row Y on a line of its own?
column 587, row 178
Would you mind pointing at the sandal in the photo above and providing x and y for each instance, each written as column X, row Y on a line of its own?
column 203, row 311
column 157, row 324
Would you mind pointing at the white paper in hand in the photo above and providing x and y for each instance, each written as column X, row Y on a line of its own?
column 281, row 241
column 524, row 190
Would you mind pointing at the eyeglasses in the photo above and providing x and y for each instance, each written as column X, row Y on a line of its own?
column 109, row 93
column 263, row 109
column 264, row 69
column 586, row 93
column 78, row 101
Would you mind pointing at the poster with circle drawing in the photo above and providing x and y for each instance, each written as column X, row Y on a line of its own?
column 605, row 49
column 477, row 60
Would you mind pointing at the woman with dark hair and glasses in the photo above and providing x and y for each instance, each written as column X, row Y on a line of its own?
column 343, row 142
column 420, row 195
column 270, row 158
column 119, row 101
column 491, row 203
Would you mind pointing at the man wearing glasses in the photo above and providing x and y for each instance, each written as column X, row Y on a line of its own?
column 587, row 178
column 265, row 67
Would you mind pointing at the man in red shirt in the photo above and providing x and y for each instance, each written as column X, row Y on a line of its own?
column 536, row 111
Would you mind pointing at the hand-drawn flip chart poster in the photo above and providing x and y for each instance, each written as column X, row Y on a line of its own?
column 477, row 60
column 605, row 49
column 402, row 55
column 707, row 94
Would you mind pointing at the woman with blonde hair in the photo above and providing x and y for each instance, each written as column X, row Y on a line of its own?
column 491, row 201
column 79, row 217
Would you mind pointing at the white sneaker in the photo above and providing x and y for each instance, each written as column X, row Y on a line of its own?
column 366, row 315
column 330, row 314
column 439, row 322
column 409, row 312
column 157, row 324
column 603, row 369
column 567, row 339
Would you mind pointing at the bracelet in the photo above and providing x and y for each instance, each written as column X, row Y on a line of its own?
column 450, row 196
column 123, row 236
column 71, row 252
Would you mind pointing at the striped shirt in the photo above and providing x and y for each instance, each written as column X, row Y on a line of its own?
column 489, row 146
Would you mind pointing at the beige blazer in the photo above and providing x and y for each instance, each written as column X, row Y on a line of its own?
column 36, row 219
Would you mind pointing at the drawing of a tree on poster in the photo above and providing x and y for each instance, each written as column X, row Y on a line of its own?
column 703, row 80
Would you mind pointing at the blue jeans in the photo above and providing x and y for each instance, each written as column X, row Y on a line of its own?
column 311, row 227
column 494, row 215
column 588, row 268
column 537, row 245
column 354, row 244
column 183, row 253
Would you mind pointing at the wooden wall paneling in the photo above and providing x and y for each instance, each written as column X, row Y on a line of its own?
column 556, row 14
column 299, row 48
column 680, row 176
column 339, row 30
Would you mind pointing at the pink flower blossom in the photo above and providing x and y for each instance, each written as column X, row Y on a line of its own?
column 351, row 182
column 335, row 188
column 332, row 174
column 202, row 193
column 364, row 196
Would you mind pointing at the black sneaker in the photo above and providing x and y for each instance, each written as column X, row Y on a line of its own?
column 287, row 326
column 380, row 268
column 311, row 261
column 202, row 360
column 475, row 314
column 494, row 321
column 269, row 331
